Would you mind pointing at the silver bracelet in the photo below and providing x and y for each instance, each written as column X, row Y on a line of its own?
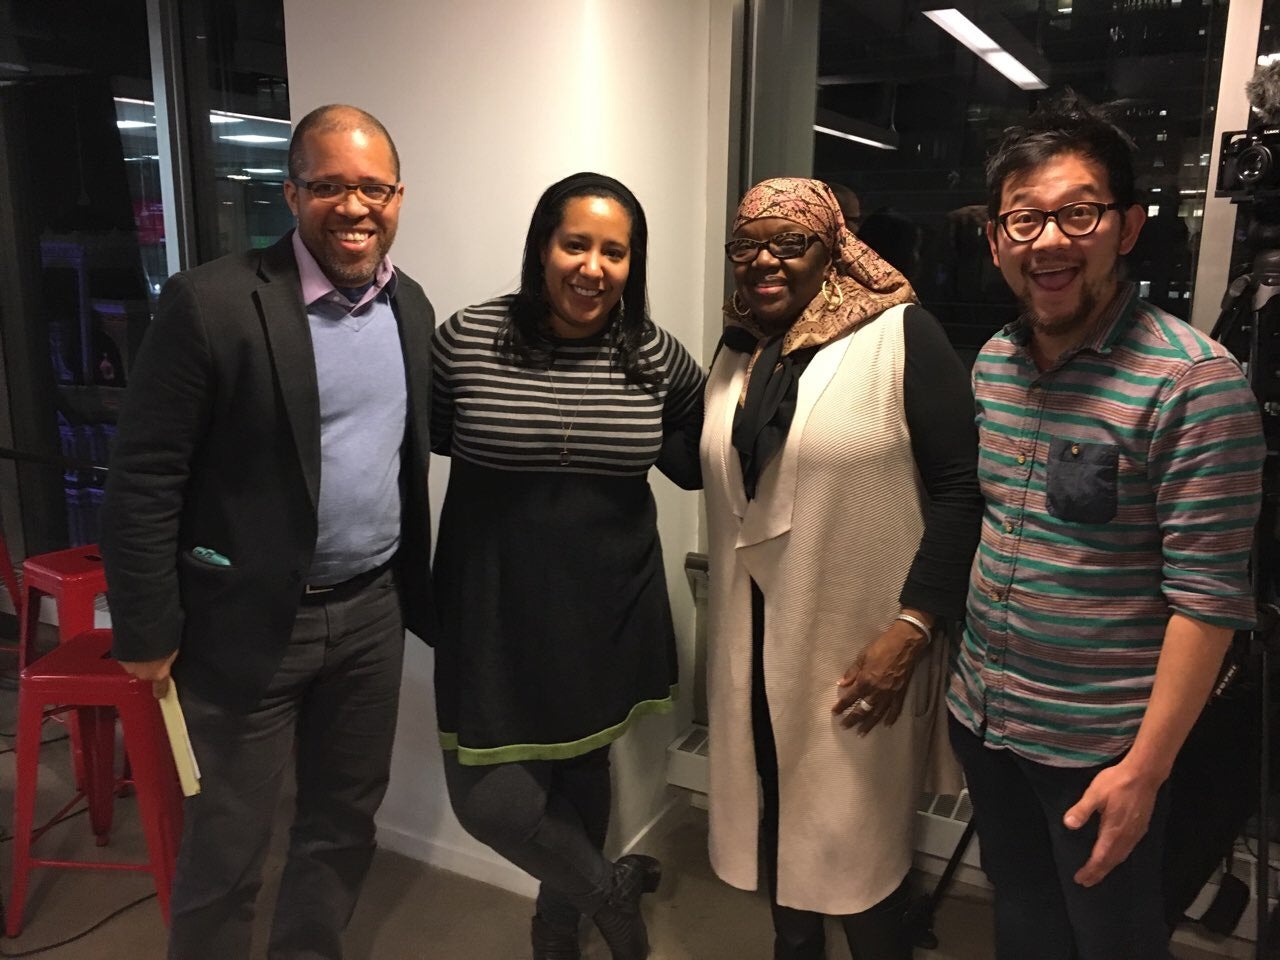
column 917, row 622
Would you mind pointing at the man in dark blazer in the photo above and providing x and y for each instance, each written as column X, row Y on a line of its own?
column 266, row 536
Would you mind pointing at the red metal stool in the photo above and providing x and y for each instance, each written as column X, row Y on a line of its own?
column 80, row 675
column 73, row 578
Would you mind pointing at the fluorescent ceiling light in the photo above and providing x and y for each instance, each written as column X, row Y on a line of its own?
column 215, row 116
column 847, row 128
column 852, row 136
column 968, row 33
column 243, row 116
column 254, row 138
column 1012, row 68
column 262, row 170
column 133, row 124
column 237, row 176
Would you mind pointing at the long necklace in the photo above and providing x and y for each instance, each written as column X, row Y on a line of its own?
column 567, row 428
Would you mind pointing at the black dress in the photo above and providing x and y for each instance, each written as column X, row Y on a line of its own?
column 555, row 624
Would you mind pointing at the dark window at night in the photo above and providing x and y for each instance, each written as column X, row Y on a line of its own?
column 85, row 228
column 890, row 74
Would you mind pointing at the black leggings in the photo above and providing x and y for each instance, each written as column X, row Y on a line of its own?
column 877, row 933
column 548, row 817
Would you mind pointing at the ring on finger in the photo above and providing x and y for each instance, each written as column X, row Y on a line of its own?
column 861, row 705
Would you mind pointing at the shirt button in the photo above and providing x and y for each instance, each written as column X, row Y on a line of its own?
column 1075, row 449
column 1022, row 458
column 994, row 595
column 1008, row 526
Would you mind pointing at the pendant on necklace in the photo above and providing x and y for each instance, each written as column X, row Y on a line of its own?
column 564, row 457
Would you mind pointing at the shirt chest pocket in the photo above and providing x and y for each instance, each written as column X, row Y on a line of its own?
column 1081, row 481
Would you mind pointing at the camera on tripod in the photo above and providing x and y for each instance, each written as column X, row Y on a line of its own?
column 1249, row 164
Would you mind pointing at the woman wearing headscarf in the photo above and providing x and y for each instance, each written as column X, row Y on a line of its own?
column 555, row 629
column 839, row 459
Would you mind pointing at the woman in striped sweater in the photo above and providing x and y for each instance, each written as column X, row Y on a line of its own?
column 556, row 632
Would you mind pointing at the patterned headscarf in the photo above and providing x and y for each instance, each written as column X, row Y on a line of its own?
column 868, row 284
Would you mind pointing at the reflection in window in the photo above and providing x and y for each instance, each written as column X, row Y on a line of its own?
column 235, row 63
column 84, row 249
column 889, row 68
column 84, row 234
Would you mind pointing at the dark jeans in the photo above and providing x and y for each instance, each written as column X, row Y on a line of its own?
column 549, row 818
column 335, row 696
column 1030, row 858
column 877, row 933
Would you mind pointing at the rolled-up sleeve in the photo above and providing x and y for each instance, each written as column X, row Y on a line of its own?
column 1205, row 464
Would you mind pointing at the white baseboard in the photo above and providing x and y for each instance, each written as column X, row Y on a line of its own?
column 673, row 803
column 492, row 870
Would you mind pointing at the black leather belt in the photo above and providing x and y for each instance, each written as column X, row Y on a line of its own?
column 329, row 592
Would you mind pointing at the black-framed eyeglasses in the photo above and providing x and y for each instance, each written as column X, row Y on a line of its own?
column 1077, row 219
column 327, row 191
column 784, row 246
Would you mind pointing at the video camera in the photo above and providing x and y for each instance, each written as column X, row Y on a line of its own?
column 1249, row 161
column 1249, row 164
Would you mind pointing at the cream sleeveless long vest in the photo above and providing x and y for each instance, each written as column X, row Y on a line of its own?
column 829, row 538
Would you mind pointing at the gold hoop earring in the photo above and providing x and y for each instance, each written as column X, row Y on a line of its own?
column 833, row 303
column 738, row 308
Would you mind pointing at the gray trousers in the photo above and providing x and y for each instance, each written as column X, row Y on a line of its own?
column 334, row 696
column 549, row 818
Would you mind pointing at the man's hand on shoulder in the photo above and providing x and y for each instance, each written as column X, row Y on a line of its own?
column 157, row 671
column 1123, row 800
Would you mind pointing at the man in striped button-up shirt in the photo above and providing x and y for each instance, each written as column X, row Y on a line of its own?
column 1120, row 460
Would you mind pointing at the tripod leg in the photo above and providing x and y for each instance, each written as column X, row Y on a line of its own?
column 1266, row 943
column 919, row 915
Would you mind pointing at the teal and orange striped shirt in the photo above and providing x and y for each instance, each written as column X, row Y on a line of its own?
column 1121, row 485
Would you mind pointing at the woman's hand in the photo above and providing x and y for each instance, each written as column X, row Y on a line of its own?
column 874, row 687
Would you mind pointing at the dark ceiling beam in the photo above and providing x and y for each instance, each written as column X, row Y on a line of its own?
column 895, row 70
column 889, row 17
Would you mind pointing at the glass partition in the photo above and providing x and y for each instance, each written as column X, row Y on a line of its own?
column 234, row 60
column 910, row 113
column 83, row 220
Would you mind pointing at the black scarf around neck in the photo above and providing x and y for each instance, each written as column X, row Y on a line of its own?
column 763, row 417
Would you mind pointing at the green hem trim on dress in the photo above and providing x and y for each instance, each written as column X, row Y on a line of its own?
column 515, row 752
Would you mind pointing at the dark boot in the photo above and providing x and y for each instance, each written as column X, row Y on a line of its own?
column 619, row 920
column 554, row 941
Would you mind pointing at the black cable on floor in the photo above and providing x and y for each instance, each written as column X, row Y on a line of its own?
column 79, row 936
column 35, row 951
column 42, row 742
column 84, row 933
column 78, row 812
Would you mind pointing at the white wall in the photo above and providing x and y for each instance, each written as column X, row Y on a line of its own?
column 490, row 101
